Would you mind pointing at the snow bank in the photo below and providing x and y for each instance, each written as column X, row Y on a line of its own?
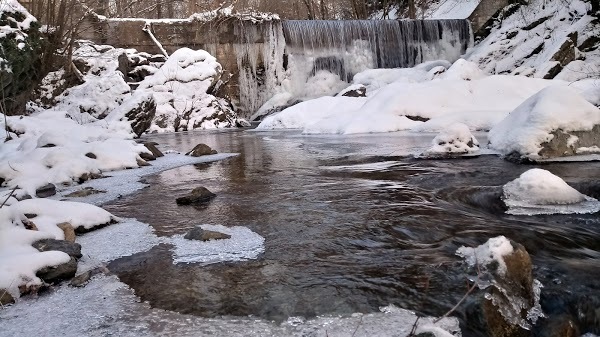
column 538, row 191
column 456, row 139
column 402, row 99
column 491, row 252
column 52, row 148
column 457, row 9
column 531, row 124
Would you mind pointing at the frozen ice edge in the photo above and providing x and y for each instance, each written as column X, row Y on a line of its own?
column 107, row 307
column 117, row 184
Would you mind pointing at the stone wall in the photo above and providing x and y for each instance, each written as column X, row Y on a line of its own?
column 218, row 37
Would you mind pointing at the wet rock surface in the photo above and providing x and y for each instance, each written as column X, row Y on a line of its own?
column 58, row 273
column 201, row 150
column 46, row 191
column 71, row 248
column 198, row 195
column 199, row 234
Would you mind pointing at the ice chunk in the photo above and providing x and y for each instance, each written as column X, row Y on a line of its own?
column 244, row 244
column 538, row 191
column 491, row 251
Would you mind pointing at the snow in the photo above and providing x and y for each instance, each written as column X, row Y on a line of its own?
column 13, row 7
column 462, row 93
column 456, row 139
column 19, row 261
column 52, row 148
column 457, row 9
column 491, row 252
column 530, row 125
column 538, row 191
column 515, row 44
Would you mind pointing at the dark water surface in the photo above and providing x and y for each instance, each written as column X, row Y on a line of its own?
column 351, row 224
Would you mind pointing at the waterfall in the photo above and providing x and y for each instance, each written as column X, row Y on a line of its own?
column 259, row 52
column 283, row 56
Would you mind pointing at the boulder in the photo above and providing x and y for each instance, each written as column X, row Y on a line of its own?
column 152, row 148
column 46, row 191
column 355, row 91
column 88, row 176
column 58, row 273
column 5, row 297
column 201, row 150
column 71, row 248
column 506, row 303
column 91, row 155
column 198, row 195
column 197, row 233
column 68, row 230
column 140, row 111
column 141, row 162
column 572, row 143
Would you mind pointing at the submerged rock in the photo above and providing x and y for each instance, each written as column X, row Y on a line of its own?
column 197, row 233
column 46, row 191
column 198, row 195
column 71, row 248
column 82, row 279
column 58, row 273
column 201, row 150
column 87, row 191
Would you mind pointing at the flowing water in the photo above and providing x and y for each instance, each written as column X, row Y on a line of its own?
column 282, row 56
column 350, row 224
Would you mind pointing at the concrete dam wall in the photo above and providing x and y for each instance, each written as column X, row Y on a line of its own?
column 264, row 55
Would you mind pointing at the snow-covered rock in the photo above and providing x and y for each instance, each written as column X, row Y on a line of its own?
column 19, row 261
column 555, row 122
column 180, row 89
column 538, row 191
column 510, row 302
column 455, row 140
column 49, row 147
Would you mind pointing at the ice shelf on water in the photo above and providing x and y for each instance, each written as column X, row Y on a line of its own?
column 538, row 191
column 124, row 239
column 131, row 237
column 244, row 244
column 108, row 307
column 120, row 183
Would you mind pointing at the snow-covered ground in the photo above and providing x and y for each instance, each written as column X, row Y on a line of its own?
column 428, row 97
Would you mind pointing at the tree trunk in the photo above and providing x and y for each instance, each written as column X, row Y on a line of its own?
column 412, row 10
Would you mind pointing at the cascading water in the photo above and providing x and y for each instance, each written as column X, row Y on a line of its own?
column 315, row 58
column 259, row 54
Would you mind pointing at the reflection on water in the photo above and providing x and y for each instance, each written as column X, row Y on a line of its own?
column 351, row 224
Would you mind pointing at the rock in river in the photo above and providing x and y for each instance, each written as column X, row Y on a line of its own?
column 198, row 195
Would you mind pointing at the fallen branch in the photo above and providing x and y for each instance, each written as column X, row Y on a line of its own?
column 148, row 30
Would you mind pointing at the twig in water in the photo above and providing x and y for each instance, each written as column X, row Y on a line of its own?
column 358, row 326
column 414, row 327
column 469, row 291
